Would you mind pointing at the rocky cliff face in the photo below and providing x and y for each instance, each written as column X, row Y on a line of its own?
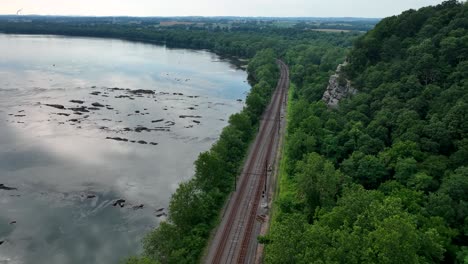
column 336, row 90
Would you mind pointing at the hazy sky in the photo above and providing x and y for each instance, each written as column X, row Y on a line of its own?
column 315, row 8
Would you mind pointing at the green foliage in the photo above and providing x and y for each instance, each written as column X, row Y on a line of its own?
column 320, row 182
column 367, row 170
column 139, row 260
column 402, row 141
column 290, row 231
column 364, row 227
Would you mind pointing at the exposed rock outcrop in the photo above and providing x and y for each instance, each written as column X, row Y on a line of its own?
column 338, row 88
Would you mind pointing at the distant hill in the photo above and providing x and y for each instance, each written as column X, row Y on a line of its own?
column 338, row 23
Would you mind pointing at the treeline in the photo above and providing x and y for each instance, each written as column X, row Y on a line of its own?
column 236, row 42
column 383, row 178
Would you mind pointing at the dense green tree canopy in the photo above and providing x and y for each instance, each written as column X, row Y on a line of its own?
column 402, row 142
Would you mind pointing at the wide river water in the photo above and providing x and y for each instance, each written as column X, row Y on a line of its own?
column 140, row 116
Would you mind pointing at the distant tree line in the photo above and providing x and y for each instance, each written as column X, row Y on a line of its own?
column 240, row 42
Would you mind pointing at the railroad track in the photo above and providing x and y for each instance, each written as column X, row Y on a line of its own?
column 234, row 236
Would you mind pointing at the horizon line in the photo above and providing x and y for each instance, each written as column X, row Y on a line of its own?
column 188, row 16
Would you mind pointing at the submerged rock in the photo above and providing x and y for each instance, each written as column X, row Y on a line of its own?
column 7, row 188
column 142, row 91
column 142, row 128
column 58, row 106
column 161, row 214
column 119, row 202
column 116, row 89
column 136, row 207
column 190, row 116
column 77, row 101
column 167, row 129
column 79, row 109
column 118, row 139
column 94, row 108
column 97, row 105
column 122, row 96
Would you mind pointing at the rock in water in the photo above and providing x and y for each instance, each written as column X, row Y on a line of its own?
column 118, row 139
column 97, row 105
column 338, row 88
column 79, row 109
column 119, row 202
column 161, row 214
column 142, row 91
column 140, row 206
column 190, row 116
column 141, row 128
column 77, row 101
column 7, row 188
column 56, row 106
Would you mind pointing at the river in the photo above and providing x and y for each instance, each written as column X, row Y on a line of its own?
column 85, row 122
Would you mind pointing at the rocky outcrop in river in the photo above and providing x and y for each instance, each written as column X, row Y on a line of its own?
column 338, row 88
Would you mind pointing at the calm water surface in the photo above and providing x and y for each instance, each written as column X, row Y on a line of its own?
column 60, row 168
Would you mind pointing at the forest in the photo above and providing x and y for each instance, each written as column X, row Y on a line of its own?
column 383, row 178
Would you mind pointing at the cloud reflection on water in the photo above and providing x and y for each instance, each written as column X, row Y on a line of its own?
column 56, row 165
